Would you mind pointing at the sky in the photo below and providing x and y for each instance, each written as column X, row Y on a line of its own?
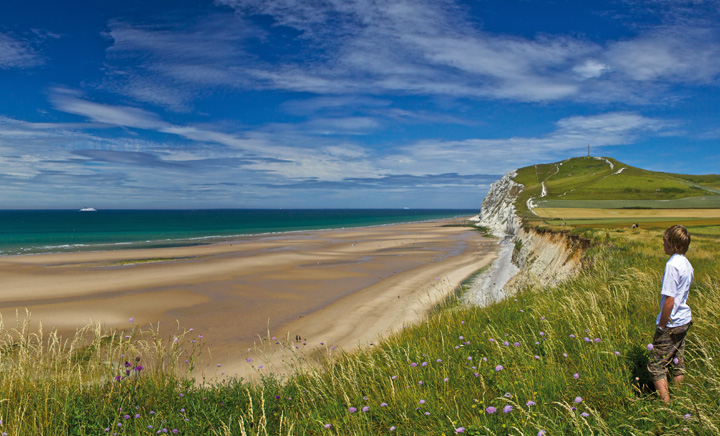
column 343, row 103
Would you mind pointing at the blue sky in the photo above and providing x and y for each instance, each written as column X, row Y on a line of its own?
column 340, row 103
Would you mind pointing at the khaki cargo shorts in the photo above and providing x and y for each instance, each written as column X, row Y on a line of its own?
column 667, row 353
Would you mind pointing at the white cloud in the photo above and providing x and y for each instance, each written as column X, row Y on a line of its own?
column 69, row 101
column 591, row 69
column 15, row 53
column 474, row 155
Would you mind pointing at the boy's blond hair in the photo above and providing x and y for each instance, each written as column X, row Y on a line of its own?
column 678, row 239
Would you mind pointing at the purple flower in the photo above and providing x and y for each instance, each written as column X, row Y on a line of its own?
column 383, row 404
column 564, row 354
column 491, row 409
column 248, row 360
column 131, row 320
column 393, row 377
column 352, row 410
column 328, row 425
column 676, row 361
column 439, row 360
column 586, row 339
column 541, row 433
column 584, row 414
column 617, row 353
column 506, row 343
column 139, row 368
column 571, row 337
column 446, row 379
column 413, row 364
column 530, row 403
column 507, row 409
column 461, row 338
column 419, row 382
column 392, row 428
column 542, row 334
column 126, row 416
column 537, row 357
column 492, row 340
column 650, row 346
column 687, row 416
column 576, row 376
column 460, row 430
column 424, row 364
column 578, row 400
column 498, row 368
column 366, row 409
column 469, row 358
column 427, row 413
column 597, row 339
column 517, row 344
column 422, row 401
column 137, row 416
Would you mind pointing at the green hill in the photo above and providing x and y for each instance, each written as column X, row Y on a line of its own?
column 579, row 182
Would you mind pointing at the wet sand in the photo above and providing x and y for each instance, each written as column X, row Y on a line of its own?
column 335, row 289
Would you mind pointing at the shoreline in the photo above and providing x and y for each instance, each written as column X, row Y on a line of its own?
column 339, row 287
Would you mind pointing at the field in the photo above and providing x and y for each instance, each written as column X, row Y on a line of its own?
column 634, row 214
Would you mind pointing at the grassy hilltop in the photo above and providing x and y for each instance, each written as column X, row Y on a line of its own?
column 567, row 359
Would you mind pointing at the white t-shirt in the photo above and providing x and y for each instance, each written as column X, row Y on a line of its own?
column 676, row 283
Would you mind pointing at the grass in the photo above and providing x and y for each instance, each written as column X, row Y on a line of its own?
column 585, row 338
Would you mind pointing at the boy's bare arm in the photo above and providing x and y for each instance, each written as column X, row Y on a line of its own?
column 666, row 311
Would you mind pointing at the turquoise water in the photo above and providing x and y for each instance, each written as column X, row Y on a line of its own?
column 53, row 231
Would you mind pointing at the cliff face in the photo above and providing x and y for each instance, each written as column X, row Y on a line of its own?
column 527, row 256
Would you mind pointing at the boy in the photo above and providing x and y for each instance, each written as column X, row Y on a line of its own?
column 674, row 318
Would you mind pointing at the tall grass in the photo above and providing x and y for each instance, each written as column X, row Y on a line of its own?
column 567, row 359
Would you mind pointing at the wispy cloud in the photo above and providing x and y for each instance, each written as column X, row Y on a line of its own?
column 17, row 53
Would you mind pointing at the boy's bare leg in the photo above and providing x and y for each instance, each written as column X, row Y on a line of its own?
column 678, row 379
column 661, row 386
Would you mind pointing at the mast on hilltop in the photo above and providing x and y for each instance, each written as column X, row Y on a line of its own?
column 588, row 150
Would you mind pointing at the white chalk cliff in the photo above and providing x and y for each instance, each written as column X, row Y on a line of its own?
column 527, row 256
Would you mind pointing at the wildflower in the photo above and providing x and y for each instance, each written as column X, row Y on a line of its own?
column 541, row 433
column 542, row 334
column 650, row 346
column 248, row 360
column 328, row 425
column 413, row 364
column 506, row 343
column 352, row 410
column 366, row 409
column 587, row 339
column 137, row 416
column 498, row 368
column 446, row 379
column 565, row 355
column 507, row 409
column 460, row 430
column 584, row 414
column 576, row 376
column 469, row 358
column 419, row 382
column 617, row 353
column 597, row 339
column 687, row 416
column 492, row 340
column 476, row 374
column 424, row 364
column 427, row 413
column 422, row 401
column 126, row 416
column 461, row 338
column 393, row 377
column 578, row 400
column 131, row 320
column 508, row 395
column 139, row 368
column 392, row 428
column 676, row 361
column 572, row 336
column 530, row 403
column 517, row 344
column 537, row 357
column 542, row 318
column 383, row 404
column 439, row 360
column 491, row 410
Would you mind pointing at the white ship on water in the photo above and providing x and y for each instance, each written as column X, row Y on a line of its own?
column 88, row 209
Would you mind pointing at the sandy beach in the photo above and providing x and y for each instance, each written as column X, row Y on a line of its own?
column 333, row 288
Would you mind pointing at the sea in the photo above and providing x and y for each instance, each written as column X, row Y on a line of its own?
column 59, row 231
